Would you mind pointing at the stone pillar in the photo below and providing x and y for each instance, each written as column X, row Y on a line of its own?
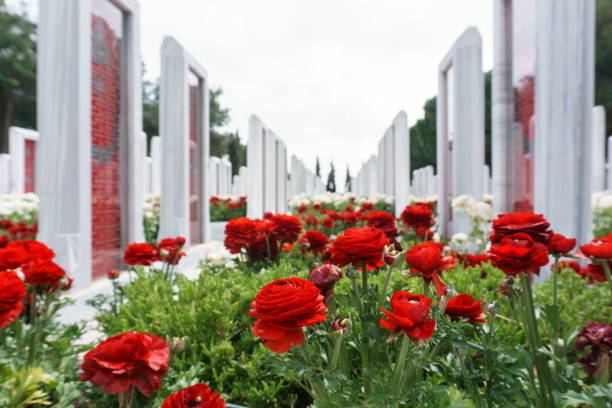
column 462, row 174
column 281, row 177
column 5, row 173
column 22, row 149
column 155, row 164
column 565, row 50
column 184, row 130
column 401, row 159
column 89, row 112
column 214, row 169
column 609, row 165
column 502, row 148
column 598, row 152
column 269, row 163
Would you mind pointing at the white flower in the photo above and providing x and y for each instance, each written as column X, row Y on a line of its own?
column 488, row 198
column 481, row 212
column 605, row 202
column 463, row 202
column 460, row 239
column 436, row 237
column 479, row 241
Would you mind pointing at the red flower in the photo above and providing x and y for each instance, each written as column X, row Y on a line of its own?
column 239, row 232
column 12, row 292
column 597, row 339
column 358, row 246
column 517, row 253
column 3, row 241
column 596, row 272
column 312, row 221
column 35, row 249
column 328, row 223
column 426, row 261
column 265, row 226
column 268, row 215
column 424, row 233
column 287, row 247
column 282, row 308
column 12, row 258
column 418, row 216
column 463, row 305
column 384, row 222
column 560, row 245
column 215, row 200
column 350, row 218
column 112, row 274
column 410, row 315
column 600, row 248
column 258, row 248
column 477, row 259
column 325, row 277
column 140, row 254
column 349, row 209
column 196, row 396
column 302, row 208
column 314, row 241
column 316, row 206
column 535, row 225
column 129, row 359
column 288, row 227
column 43, row 272
column 173, row 248
column 367, row 206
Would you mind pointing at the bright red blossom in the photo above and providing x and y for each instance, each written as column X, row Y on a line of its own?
column 358, row 246
column 410, row 315
column 140, row 254
column 518, row 253
column 288, row 227
column 129, row 359
column 12, row 292
column 560, row 245
column 314, row 241
column 196, row 396
column 600, row 248
column 282, row 308
column 384, row 222
column 426, row 260
column 417, row 216
column 173, row 246
column 42, row 272
column 534, row 225
column 238, row 234
column 463, row 306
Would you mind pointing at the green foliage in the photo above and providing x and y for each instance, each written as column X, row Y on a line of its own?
column 211, row 313
column 222, row 211
column 17, row 73
column 331, row 179
column 602, row 222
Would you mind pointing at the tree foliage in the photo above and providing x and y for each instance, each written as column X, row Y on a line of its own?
column 17, row 72
column 331, row 178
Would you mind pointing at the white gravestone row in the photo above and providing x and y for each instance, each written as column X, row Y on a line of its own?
column 366, row 178
column 267, row 171
column 240, row 182
column 609, row 165
column 220, row 173
column 424, row 182
column 303, row 180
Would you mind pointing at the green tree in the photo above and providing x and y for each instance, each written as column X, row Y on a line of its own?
column 331, row 179
column 318, row 168
column 347, row 182
column 17, row 72
column 150, row 106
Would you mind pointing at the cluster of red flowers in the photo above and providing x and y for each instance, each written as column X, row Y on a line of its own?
column 168, row 250
column 41, row 275
column 217, row 201
column 328, row 218
column 16, row 231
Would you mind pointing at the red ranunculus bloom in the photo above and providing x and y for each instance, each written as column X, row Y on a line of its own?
column 282, row 308
column 36, row 250
column 12, row 292
column 312, row 221
column 384, row 222
column 288, row 227
column 349, row 209
column 265, row 226
column 129, row 359
column 425, row 234
column 560, row 245
column 410, row 315
column 463, row 305
column 113, row 274
column 325, row 277
column 173, row 246
column 477, row 259
column 140, row 254
column 535, row 225
column 316, row 206
column 313, row 241
column 418, row 216
column 350, row 218
column 239, row 232
column 302, row 209
column 595, row 272
column 3, row 241
column 196, row 396
column 42, row 272
column 12, row 258
column 426, row 260
column 328, row 223
column 367, row 206
column 358, row 246
column 596, row 338
column 258, row 248
column 518, row 253
column 598, row 248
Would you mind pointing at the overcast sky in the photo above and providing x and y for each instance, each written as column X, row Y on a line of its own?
column 327, row 76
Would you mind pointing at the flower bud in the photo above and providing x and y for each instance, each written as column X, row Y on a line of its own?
column 113, row 274
column 389, row 256
column 325, row 277
column 164, row 253
column 339, row 325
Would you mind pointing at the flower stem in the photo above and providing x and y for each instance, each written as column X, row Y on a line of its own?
column 364, row 278
column 383, row 293
column 359, row 301
column 606, row 267
column 336, row 351
column 555, row 273
column 33, row 323
column 543, row 372
column 398, row 373
column 555, row 318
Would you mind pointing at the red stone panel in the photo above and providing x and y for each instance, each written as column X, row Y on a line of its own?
column 30, row 165
column 106, row 40
column 194, row 176
column 523, row 79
